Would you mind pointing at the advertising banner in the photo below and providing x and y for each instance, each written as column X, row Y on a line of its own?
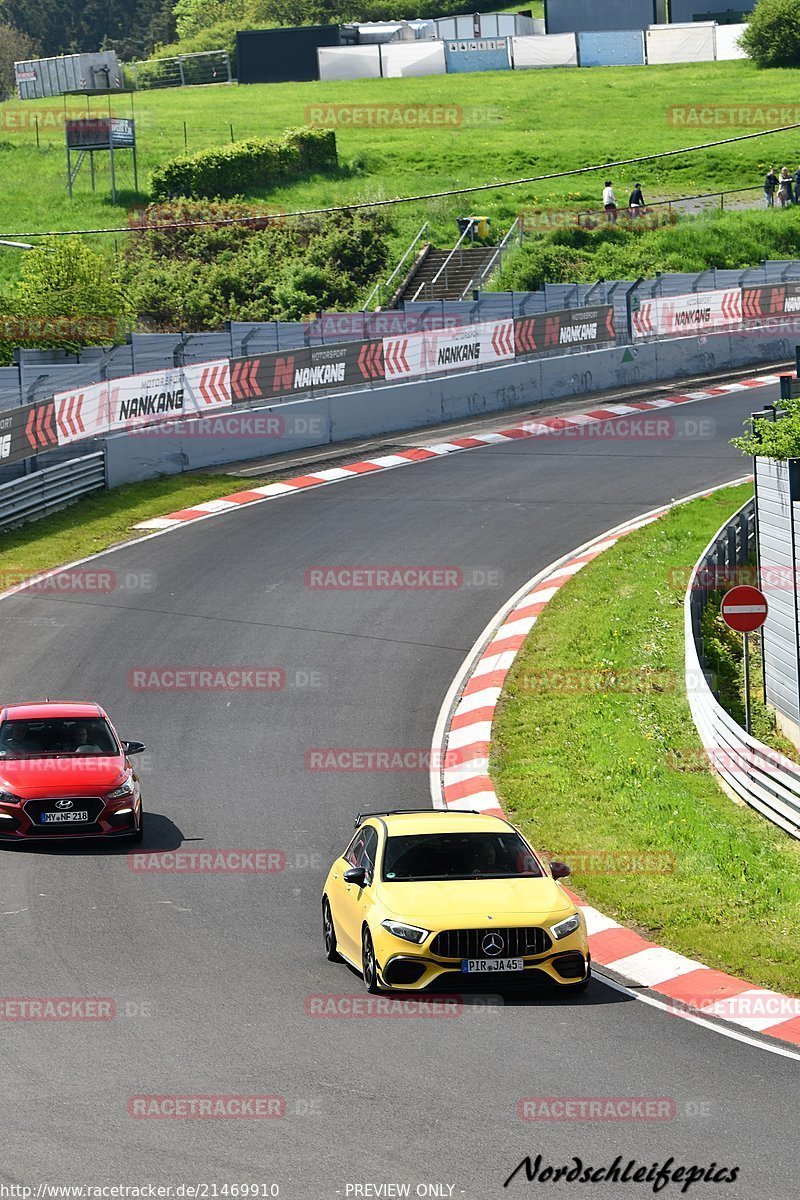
column 567, row 327
column 448, row 349
column 27, row 430
column 144, row 399
column 314, row 368
column 697, row 312
column 770, row 300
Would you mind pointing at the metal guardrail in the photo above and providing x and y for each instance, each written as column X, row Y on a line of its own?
column 42, row 492
column 761, row 776
column 381, row 289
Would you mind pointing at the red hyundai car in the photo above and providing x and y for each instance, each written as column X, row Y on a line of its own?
column 65, row 773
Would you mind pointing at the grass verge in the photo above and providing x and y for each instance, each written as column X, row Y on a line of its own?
column 589, row 769
column 102, row 519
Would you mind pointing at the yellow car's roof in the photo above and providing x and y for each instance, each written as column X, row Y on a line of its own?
column 441, row 821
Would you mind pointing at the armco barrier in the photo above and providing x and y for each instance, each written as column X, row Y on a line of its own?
column 757, row 774
column 43, row 492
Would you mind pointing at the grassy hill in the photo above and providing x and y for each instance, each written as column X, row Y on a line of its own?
column 508, row 124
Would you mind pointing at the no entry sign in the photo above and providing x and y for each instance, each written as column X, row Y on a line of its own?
column 744, row 609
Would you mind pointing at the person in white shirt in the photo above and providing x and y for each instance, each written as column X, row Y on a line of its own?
column 610, row 201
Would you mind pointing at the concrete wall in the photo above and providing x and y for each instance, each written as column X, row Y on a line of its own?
column 243, row 433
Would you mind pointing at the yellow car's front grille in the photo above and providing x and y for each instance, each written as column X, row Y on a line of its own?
column 501, row 943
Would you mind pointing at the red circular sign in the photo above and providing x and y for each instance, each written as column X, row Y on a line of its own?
column 744, row 609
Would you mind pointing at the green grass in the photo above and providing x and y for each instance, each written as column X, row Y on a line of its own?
column 514, row 124
column 102, row 519
column 589, row 771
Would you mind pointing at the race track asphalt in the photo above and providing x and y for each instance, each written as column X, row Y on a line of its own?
column 210, row 973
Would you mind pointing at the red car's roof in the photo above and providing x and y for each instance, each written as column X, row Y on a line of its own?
column 36, row 710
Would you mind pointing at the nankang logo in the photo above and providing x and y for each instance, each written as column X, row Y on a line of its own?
column 492, row 944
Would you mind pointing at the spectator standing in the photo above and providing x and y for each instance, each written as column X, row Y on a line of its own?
column 636, row 202
column 785, row 194
column 610, row 202
column 770, row 186
column 797, row 186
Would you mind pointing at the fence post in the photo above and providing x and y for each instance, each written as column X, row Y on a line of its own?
column 180, row 68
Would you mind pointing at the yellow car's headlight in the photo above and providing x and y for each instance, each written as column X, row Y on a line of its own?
column 409, row 933
column 564, row 928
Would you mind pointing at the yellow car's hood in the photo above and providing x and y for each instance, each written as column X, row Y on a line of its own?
column 461, row 903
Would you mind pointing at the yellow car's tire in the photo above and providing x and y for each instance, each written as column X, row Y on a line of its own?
column 369, row 967
column 329, row 933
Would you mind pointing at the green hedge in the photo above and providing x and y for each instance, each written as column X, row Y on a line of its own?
column 255, row 163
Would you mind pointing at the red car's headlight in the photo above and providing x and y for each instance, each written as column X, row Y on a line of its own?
column 124, row 789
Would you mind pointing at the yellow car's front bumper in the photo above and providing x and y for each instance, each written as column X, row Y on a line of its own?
column 565, row 964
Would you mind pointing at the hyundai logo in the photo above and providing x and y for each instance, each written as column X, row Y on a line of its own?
column 63, row 804
column 492, row 944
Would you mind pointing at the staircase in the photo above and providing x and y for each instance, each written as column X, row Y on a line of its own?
column 464, row 266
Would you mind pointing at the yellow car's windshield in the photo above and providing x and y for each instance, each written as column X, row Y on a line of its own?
column 458, row 856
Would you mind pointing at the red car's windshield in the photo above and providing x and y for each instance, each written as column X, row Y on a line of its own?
column 58, row 737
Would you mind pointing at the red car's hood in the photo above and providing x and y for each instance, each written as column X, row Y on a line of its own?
column 32, row 778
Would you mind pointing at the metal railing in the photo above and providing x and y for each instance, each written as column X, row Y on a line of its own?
column 599, row 216
column 458, row 249
column 757, row 774
column 203, row 66
column 43, row 492
column 381, row 289
column 496, row 261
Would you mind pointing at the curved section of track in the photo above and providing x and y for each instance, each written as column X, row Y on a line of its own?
column 211, row 972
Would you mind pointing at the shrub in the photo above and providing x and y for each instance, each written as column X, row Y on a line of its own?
column 772, row 36
column 241, row 166
column 198, row 278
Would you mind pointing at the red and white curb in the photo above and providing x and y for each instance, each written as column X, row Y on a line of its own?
column 545, row 427
column 461, row 745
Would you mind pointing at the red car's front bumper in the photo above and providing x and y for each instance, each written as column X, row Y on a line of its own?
column 28, row 820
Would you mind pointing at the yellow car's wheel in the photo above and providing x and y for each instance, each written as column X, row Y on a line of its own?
column 329, row 933
column 369, row 967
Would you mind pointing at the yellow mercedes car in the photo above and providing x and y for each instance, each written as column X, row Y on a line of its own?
column 447, row 898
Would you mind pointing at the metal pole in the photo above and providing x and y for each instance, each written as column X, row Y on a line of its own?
column 231, row 129
column 746, row 682
column 185, row 137
column 113, row 180
column 180, row 68
column 36, row 119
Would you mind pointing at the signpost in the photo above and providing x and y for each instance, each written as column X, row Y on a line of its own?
column 744, row 609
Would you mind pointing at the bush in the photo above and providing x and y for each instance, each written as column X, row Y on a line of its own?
column 255, row 163
column 67, row 296
column 199, row 278
column 772, row 36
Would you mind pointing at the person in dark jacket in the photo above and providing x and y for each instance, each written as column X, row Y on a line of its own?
column 636, row 202
column 797, row 186
column 770, row 187
column 785, row 193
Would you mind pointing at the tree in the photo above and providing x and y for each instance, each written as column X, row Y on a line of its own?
column 14, row 47
column 772, row 36
column 67, row 295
